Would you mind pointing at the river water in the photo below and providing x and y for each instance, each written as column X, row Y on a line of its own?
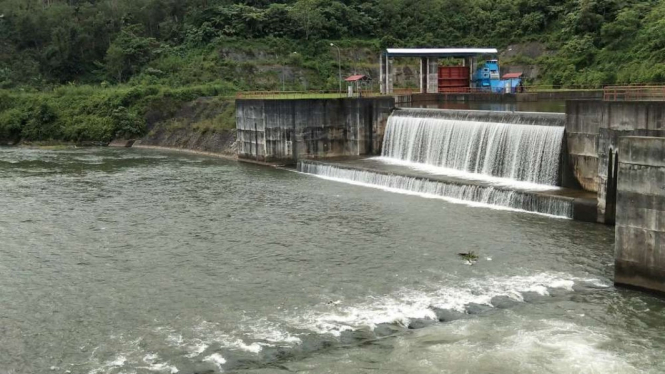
column 131, row 261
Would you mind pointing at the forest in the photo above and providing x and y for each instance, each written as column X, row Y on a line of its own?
column 120, row 57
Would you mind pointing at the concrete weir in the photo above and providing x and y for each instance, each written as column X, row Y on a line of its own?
column 371, row 172
column 501, row 159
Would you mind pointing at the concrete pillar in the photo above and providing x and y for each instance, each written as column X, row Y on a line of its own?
column 382, row 73
column 640, row 217
column 389, row 76
column 432, row 75
column 423, row 75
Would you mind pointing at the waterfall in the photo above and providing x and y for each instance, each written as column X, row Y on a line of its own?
column 521, row 152
column 474, row 193
column 508, row 160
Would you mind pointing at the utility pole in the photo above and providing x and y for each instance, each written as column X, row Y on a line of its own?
column 283, row 73
column 339, row 65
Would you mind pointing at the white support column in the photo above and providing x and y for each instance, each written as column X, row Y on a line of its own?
column 432, row 75
column 389, row 76
column 382, row 72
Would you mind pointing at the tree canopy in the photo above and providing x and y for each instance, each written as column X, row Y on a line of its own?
column 50, row 42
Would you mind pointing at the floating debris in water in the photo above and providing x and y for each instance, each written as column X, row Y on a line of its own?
column 470, row 257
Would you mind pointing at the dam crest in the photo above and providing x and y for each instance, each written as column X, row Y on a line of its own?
column 503, row 160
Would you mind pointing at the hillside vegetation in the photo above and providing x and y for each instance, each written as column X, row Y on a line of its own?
column 90, row 69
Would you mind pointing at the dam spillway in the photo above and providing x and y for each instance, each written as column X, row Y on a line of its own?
column 370, row 173
column 521, row 152
column 503, row 160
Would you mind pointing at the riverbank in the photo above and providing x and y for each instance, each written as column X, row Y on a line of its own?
column 80, row 114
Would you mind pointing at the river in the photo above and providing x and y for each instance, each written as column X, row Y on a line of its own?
column 138, row 261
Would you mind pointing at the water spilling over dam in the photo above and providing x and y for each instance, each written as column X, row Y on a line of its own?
column 506, row 160
column 522, row 152
column 476, row 194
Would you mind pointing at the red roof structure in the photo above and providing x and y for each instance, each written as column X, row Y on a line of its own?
column 355, row 78
column 512, row 76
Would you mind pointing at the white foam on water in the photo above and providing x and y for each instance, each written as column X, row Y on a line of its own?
column 517, row 345
column 437, row 170
column 406, row 305
column 196, row 349
column 151, row 359
column 518, row 152
column 248, row 335
column 210, row 333
column 488, row 197
column 266, row 331
column 216, row 359
column 119, row 361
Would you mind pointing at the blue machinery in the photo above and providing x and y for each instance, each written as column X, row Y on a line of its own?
column 482, row 76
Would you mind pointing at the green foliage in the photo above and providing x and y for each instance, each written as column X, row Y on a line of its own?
column 87, row 113
column 93, row 70
column 129, row 52
column 184, row 42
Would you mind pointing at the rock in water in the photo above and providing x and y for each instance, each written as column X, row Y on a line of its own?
column 420, row 323
column 474, row 308
column 447, row 315
column 503, row 302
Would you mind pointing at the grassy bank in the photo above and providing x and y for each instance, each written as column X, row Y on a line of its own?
column 96, row 113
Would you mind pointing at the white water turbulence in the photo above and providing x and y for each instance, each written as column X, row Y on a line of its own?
column 521, row 152
column 479, row 195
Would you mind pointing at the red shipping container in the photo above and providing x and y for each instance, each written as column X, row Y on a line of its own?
column 454, row 78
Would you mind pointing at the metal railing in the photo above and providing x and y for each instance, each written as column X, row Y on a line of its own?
column 633, row 93
column 550, row 88
column 618, row 92
column 290, row 95
column 319, row 94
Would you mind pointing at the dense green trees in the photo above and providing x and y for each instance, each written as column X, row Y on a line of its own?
column 47, row 42
column 95, row 69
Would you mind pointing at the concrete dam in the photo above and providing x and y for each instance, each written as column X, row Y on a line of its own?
column 599, row 162
column 500, row 160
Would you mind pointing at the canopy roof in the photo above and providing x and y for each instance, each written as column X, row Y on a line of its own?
column 512, row 76
column 439, row 52
column 355, row 78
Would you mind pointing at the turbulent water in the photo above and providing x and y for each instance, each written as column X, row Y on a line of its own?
column 472, row 194
column 126, row 261
column 527, row 153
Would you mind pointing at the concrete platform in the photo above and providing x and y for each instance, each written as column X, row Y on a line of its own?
column 584, row 203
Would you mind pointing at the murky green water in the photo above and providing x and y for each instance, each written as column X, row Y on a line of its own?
column 128, row 261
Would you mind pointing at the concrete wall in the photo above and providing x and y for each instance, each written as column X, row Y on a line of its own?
column 593, row 130
column 524, row 118
column 640, row 219
column 283, row 131
column 582, row 127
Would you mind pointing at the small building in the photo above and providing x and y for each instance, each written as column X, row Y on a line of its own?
column 359, row 81
column 487, row 76
column 433, row 77
column 512, row 80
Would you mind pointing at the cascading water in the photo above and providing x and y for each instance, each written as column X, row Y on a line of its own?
column 485, row 195
column 520, row 152
column 486, row 158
